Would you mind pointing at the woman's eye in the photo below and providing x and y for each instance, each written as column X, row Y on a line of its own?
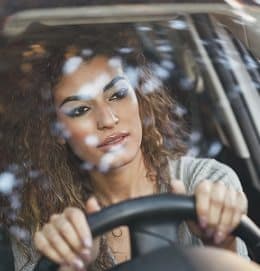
column 78, row 111
column 119, row 94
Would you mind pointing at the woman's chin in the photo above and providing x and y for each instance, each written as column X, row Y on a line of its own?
column 110, row 163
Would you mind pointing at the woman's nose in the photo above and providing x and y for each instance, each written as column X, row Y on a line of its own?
column 106, row 118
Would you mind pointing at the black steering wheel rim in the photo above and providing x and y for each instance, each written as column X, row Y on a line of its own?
column 179, row 207
column 125, row 213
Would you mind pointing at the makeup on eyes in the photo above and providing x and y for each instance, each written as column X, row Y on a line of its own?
column 78, row 108
column 75, row 106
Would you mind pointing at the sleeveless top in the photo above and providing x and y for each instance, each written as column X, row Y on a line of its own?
column 187, row 169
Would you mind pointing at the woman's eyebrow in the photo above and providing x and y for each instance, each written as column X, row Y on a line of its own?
column 79, row 97
column 70, row 99
column 113, row 82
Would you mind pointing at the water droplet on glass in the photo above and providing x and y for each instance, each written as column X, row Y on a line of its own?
column 7, row 182
column 151, row 85
column 144, row 28
column 164, row 48
column 115, row 62
column 132, row 75
column 87, row 166
column 86, row 52
column 168, row 64
column 92, row 89
column 180, row 110
column 91, row 140
column 20, row 233
column 105, row 162
column 161, row 72
column 72, row 64
column 125, row 50
column 214, row 149
column 178, row 24
column 195, row 136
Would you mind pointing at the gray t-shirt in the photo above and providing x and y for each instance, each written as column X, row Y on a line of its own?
column 191, row 171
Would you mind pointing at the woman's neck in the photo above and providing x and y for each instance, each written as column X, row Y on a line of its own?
column 128, row 181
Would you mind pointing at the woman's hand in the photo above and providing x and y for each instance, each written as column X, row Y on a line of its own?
column 219, row 209
column 66, row 239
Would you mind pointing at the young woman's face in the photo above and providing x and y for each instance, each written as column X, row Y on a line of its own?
column 98, row 110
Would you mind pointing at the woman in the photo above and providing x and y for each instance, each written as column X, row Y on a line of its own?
column 112, row 139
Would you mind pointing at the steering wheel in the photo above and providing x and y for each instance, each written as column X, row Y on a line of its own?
column 153, row 227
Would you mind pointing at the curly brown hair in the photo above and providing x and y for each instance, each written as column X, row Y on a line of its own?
column 48, row 173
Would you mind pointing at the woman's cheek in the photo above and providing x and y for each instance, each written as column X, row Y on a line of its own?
column 82, row 138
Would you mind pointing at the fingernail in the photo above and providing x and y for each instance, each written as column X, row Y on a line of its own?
column 86, row 255
column 203, row 222
column 88, row 243
column 78, row 263
column 209, row 233
column 219, row 237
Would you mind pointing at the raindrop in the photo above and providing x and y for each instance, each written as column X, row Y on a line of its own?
column 15, row 202
column 91, row 140
column 125, row 50
column 250, row 63
column 167, row 64
column 195, row 136
column 161, row 71
column 86, row 52
column 71, row 65
column 193, row 151
column 132, row 75
column 214, row 149
column 34, row 174
column 91, row 90
column 87, row 166
column 181, row 110
column 115, row 62
column 59, row 128
column 151, row 85
column 186, row 83
column 20, row 233
column 105, row 162
column 7, row 182
column 164, row 48
column 178, row 24
column 144, row 28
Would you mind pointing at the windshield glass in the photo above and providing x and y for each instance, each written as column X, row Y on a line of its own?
column 82, row 97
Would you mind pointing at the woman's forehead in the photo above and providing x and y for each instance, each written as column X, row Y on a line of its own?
column 94, row 74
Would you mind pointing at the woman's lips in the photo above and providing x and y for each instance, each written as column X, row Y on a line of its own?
column 113, row 140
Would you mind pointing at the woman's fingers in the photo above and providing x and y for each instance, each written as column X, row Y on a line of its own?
column 217, row 197
column 219, row 209
column 43, row 245
column 61, row 246
column 178, row 187
column 92, row 205
column 66, row 239
column 66, row 229
column 202, row 194
column 226, row 218
column 241, row 209
column 78, row 219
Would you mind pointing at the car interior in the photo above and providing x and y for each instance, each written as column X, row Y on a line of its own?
column 214, row 74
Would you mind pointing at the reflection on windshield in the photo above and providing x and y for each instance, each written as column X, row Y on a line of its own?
column 79, row 101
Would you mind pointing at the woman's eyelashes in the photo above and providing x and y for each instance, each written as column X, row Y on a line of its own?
column 78, row 111
column 83, row 109
column 120, row 94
